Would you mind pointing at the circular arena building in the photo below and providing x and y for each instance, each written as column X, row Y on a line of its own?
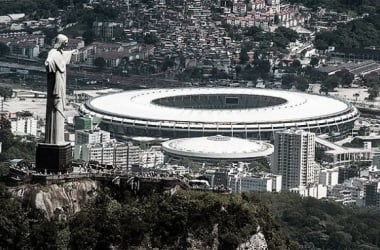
column 236, row 112
column 216, row 148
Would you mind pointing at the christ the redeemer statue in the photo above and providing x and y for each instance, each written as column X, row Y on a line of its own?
column 56, row 90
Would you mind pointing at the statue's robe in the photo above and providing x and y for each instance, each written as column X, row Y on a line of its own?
column 56, row 95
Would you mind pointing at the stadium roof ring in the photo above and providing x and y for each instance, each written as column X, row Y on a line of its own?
column 239, row 112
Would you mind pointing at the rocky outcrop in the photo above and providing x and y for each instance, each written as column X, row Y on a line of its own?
column 257, row 242
column 57, row 200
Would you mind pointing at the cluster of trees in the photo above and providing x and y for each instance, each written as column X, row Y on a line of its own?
column 290, row 80
column 318, row 224
column 275, row 41
column 359, row 33
column 13, row 147
column 251, row 72
column 198, row 219
column 359, row 6
column 35, row 8
column 38, row 8
column 340, row 78
column 85, row 17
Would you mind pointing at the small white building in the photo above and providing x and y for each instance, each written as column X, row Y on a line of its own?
column 317, row 191
column 256, row 183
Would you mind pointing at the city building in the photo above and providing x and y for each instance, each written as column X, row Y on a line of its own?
column 317, row 191
column 91, row 136
column 349, row 193
column 151, row 157
column 24, row 126
column 108, row 153
column 107, row 30
column 371, row 193
column 261, row 182
column 329, row 177
column 294, row 155
column 218, row 176
column 82, row 122
column 348, row 172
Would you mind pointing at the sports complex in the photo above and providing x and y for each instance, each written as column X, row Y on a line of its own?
column 238, row 112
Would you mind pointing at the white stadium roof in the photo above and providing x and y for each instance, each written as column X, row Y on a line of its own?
column 217, row 147
column 139, row 105
column 236, row 112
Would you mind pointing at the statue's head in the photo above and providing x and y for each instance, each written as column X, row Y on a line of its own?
column 61, row 41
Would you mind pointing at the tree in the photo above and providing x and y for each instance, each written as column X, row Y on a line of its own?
column 287, row 81
column 314, row 61
column 340, row 240
column 151, row 38
column 100, row 62
column 301, row 84
column 4, row 49
column 373, row 93
column 168, row 62
column 331, row 83
column 276, row 19
column 6, row 92
column 13, row 222
column 323, row 89
column 88, row 36
column 296, row 64
column 50, row 34
column 356, row 95
column 346, row 77
column 289, row 34
column 243, row 57
column 43, row 55
column 44, row 234
column 320, row 44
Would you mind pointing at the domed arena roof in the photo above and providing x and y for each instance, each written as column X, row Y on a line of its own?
column 217, row 147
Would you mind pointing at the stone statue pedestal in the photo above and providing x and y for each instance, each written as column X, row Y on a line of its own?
column 53, row 157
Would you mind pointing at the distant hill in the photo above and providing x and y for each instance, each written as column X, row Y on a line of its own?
column 358, row 6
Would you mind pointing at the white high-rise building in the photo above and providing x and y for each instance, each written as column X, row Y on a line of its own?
column 91, row 136
column 24, row 126
column 294, row 155
column 329, row 177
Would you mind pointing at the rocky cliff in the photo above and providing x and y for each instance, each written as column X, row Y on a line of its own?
column 56, row 200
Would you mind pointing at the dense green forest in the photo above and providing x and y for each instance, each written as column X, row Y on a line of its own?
column 14, row 147
column 37, row 8
column 359, row 33
column 117, row 219
column 316, row 224
column 198, row 219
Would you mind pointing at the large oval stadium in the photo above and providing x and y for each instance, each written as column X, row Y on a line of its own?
column 239, row 112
